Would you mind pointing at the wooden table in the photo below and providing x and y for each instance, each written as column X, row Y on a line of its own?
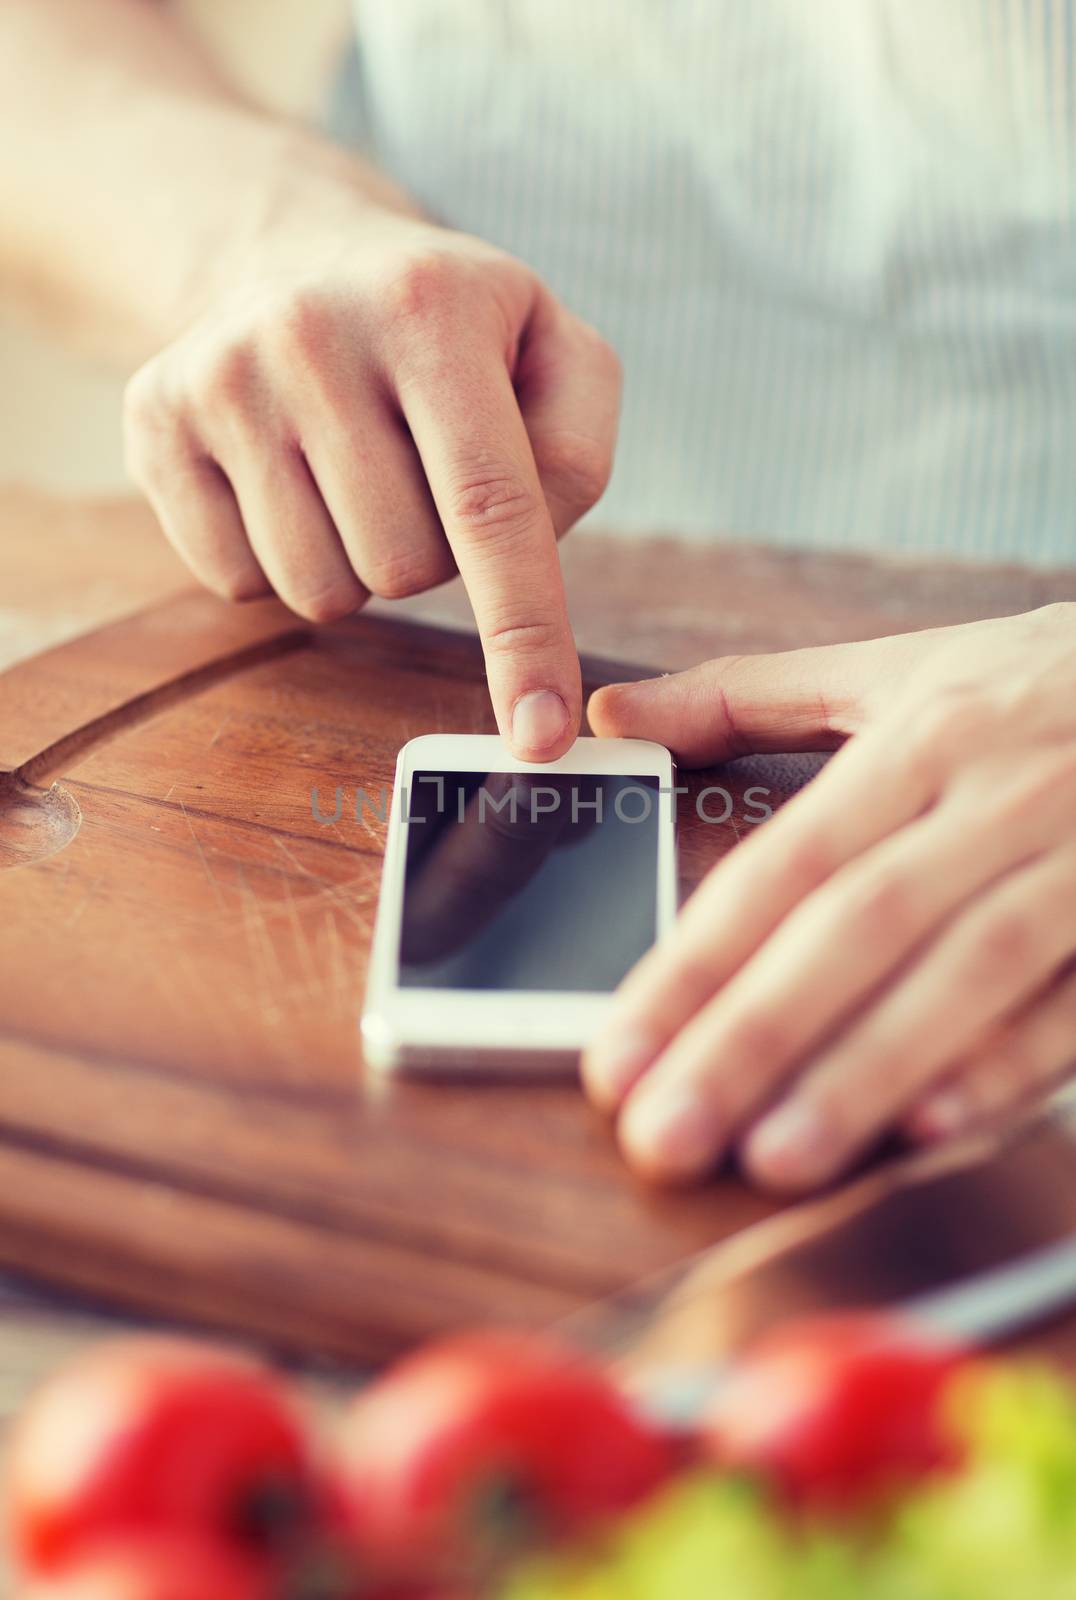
column 197, row 1140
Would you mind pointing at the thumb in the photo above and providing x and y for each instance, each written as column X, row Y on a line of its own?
column 737, row 705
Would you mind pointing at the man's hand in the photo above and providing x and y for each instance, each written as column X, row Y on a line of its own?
column 341, row 398
column 380, row 411
column 898, row 945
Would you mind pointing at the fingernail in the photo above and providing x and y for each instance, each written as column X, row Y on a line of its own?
column 793, row 1144
column 615, row 1061
column 539, row 721
column 670, row 1131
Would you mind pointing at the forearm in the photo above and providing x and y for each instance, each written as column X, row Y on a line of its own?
column 135, row 183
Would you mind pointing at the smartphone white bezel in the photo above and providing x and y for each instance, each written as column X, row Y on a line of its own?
column 442, row 1029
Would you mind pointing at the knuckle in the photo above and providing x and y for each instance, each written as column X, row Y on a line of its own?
column 692, row 977
column 397, row 574
column 1007, row 941
column 493, row 504
column 225, row 384
column 239, row 584
column 143, row 405
column 580, row 465
column 515, row 640
column 1021, row 798
column 302, row 330
column 689, row 975
column 602, row 361
column 328, row 604
column 607, row 361
column 417, row 295
column 757, row 1036
column 955, row 716
column 881, row 908
column 720, row 682
column 808, row 862
column 1046, row 784
column 148, row 422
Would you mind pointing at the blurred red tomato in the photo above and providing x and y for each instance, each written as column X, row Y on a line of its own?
column 836, row 1412
column 481, row 1444
column 156, row 1434
column 156, row 1569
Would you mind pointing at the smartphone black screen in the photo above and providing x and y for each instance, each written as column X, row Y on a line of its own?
column 519, row 881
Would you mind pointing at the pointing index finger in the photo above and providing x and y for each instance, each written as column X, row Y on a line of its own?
column 466, row 424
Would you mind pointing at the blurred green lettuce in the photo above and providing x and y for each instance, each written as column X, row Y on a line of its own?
column 1004, row 1528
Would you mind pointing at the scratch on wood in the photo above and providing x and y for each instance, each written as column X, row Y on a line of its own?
column 264, row 952
column 202, row 857
column 305, row 959
column 334, row 958
column 223, row 724
column 335, row 893
column 80, row 907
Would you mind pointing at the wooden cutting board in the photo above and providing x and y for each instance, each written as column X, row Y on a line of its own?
column 185, row 1126
column 185, row 1122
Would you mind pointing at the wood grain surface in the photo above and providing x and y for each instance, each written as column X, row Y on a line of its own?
column 185, row 1126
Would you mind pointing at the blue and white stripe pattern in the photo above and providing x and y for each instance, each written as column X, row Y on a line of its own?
column 834, row 242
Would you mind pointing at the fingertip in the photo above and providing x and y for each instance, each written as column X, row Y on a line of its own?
column 612, row 1065
column 541, row 726
column 611, row 710
column 601, row 710
column 668, row 1135
column 790, row 1151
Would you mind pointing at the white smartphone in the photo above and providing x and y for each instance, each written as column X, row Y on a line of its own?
column 514, row 898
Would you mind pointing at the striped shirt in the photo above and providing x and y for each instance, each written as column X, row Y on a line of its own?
column 833, row 241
